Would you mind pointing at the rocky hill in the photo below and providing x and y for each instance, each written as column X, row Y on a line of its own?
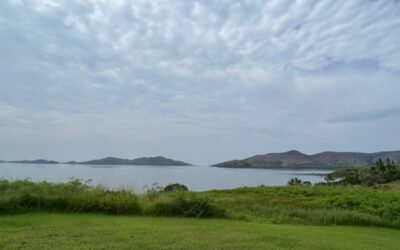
column 296, row 159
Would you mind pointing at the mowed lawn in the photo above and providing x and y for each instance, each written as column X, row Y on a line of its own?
column 88, row 231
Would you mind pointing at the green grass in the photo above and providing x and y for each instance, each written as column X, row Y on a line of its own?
column 319, row 205
column 75, row 215
column 392, row 186
column 316, row 205
column 91, row 231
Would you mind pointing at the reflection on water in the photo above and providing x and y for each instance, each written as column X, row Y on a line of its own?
column 195, row 177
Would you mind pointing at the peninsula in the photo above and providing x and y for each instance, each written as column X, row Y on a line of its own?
column 296, row 159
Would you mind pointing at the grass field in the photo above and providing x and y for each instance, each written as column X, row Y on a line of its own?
column 91, row 231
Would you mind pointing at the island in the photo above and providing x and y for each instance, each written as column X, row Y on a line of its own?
column 39, row 161
column 157, row 161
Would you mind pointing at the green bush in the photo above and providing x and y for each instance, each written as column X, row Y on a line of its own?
column 297, row 182
column 175, row 187
column 190, row 205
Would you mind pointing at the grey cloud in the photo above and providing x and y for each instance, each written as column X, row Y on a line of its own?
column 367, row 116
column 269, row 71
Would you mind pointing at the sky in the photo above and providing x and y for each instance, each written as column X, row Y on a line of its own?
column 199, row 81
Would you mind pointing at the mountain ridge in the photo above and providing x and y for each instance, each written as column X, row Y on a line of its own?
column 297, row 159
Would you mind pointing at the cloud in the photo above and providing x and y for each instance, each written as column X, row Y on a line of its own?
column 368, row 116
column 224, row 75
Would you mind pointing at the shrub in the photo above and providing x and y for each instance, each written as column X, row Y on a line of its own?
column 187, row 206
column 175, row 187
column 297, row 182
column 153, row 191
column 294, row 181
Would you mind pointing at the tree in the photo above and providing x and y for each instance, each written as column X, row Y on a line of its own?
column 388, row 163
column 175, row 187
column 383, row 172
column 380, row 165
column 329, row 178
column 295, row 182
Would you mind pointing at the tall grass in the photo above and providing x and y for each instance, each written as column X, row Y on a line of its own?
column 319, row 205
column 73, row 196
column 78, row 197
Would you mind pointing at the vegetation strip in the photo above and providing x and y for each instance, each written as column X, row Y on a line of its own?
column 318, row 204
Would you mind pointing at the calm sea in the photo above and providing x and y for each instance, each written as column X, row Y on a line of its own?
column 197, row 178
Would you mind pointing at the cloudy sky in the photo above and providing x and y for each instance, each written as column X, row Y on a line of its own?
column 200, row 81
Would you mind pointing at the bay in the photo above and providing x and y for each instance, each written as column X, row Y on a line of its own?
column 197, row 178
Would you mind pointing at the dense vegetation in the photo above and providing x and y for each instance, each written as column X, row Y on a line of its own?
column 379, row 174
column 79, row 197
column 318, row 204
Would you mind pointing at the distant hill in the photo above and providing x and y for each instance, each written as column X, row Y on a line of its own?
column 39, row 161
column 104, row 161
column 158, row 160
column 296, row 159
